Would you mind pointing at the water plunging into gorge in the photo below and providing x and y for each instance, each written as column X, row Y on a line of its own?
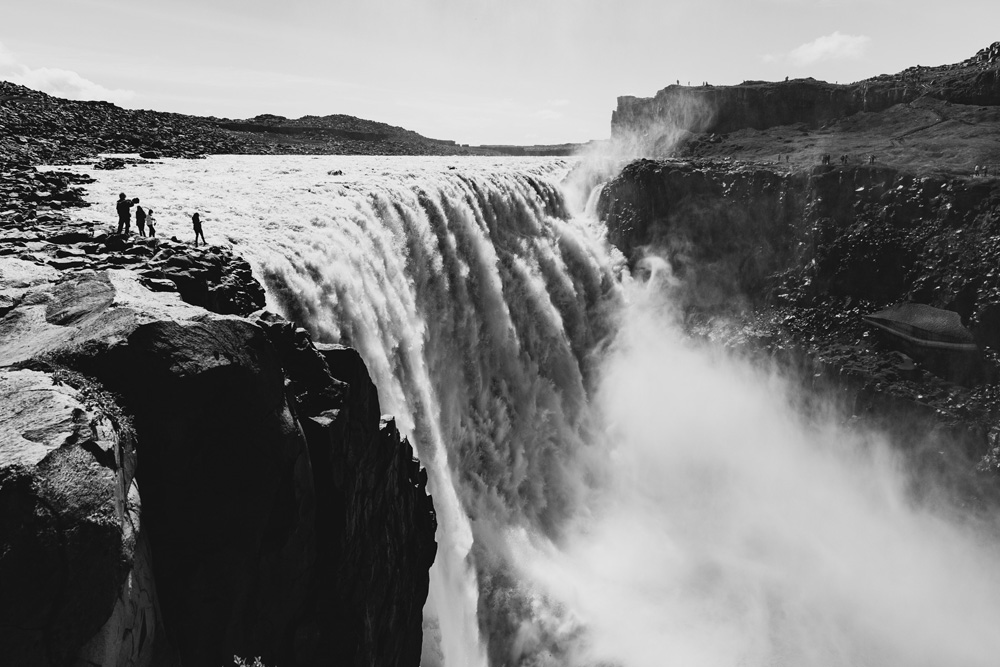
column 608, row 492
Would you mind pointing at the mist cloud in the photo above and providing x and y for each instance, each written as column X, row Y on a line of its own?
column 55, row 81
column 733, row 531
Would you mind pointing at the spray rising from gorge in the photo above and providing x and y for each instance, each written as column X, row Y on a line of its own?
column 607, row 491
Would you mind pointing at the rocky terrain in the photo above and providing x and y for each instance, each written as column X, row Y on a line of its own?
column 183, row 476
column 38, row 128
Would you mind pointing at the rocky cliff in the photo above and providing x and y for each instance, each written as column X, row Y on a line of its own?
column 653, row 125
column 178, row 486
column 789, row 262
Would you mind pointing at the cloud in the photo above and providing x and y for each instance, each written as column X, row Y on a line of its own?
column 59, row 82
column 835, row 46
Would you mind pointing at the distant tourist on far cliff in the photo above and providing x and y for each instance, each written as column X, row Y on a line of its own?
column 124, row 207
column 149, row 223
column 196, row 221
column 140, row 219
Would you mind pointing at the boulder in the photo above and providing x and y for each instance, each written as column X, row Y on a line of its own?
column 76, row 583
column 935, row 337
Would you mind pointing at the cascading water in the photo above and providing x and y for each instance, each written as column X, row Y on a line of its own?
column 607, row 492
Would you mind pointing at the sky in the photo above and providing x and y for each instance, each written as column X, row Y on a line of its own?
column 475, row 71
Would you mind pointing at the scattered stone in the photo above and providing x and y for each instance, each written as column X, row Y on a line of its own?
column 110, row 163
column 68, row 263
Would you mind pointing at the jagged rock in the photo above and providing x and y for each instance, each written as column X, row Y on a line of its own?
column 934, row 336
column 76, row 581
column 259, row 475
column 159, row 284
column 110, row 163
column 68, row 263
column 70, row 237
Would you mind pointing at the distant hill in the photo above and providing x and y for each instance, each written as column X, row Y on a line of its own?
column 36, row 127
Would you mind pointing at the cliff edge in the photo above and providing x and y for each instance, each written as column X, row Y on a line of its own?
column 178, row 485
column 661, row 126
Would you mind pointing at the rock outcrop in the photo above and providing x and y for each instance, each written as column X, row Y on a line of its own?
column 180, row 486
column 652, row 125
column 726, row 228
column 74, row 566
column 791, row 262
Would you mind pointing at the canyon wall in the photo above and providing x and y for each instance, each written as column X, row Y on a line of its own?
column 178, row 486
column 789, row 264
column 651, row 125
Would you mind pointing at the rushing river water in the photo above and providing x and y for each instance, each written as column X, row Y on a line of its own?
column 608, row 492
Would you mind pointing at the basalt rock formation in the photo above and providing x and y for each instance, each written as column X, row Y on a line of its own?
column 654, row 125
column 178, row 486
column 790, row 262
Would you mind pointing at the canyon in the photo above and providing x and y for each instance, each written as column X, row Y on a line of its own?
column 185, row 475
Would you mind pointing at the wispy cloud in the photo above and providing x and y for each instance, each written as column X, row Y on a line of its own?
column 59, row 82
column 835, row 46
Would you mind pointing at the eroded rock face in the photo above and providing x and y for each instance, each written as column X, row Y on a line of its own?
column 74, row 573
column 284, row 518
column 652, row 122
column 725, row 228
column 828, row 247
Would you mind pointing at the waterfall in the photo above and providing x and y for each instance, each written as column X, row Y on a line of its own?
column 608, row 491
column 476, row 302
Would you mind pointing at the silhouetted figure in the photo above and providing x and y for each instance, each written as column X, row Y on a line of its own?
column 149, row 223
column 196, row 221
column 786, row 159
column 871, row 159
column 140, row 220
column 124, row 207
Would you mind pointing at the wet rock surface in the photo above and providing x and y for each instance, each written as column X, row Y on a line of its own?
column 787, row 264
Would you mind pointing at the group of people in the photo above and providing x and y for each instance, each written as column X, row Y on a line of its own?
column 144, row 220
column 844, row 159
column 983, row 171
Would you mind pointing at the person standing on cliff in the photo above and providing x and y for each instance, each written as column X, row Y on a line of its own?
column 150, row 222
column 140, row 219
column 196, row 221
column 124, row 207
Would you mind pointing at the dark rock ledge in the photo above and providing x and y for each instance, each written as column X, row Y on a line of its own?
column 183, row 479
